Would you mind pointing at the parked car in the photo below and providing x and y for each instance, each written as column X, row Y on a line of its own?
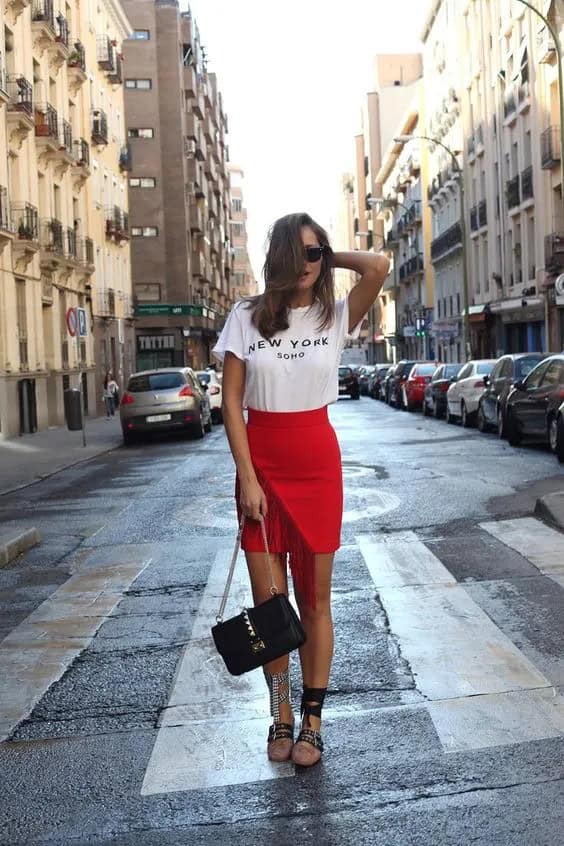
column 434, row 400
column 348, row 382
column 464, row 394
column 386, row 384
column 419, row 377
column 560, row 434
column 215, row 393
column 164, row 400
column 363, row 378
column 397, row 383
column 508, row 370
column 376, row 382
column 535, row 402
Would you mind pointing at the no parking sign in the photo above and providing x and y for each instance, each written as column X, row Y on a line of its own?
column 76, row 322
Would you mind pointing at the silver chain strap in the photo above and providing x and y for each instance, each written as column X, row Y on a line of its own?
column 273, row 588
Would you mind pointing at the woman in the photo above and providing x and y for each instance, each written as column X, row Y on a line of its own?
column 281, row 352
column 111, row 390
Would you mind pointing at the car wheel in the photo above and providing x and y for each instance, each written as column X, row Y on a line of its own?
column 198, row 430
column 437, row 411
column 553, row 434
column 209, row 426
column 425, row 409
column 560, row 438
column 128, row 438
column 513, row 434
column 501, row 427
column 448, row 415
column 464, row 416
column 482, row 424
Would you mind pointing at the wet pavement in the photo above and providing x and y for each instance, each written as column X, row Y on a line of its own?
column 444, row 719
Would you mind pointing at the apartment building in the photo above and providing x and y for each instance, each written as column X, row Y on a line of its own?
column 393, row 75
column 51, row 235
column 343, row 233
column 243, row 280
column 179, row 188
column 408, row 294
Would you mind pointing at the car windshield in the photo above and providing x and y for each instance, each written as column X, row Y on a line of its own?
column 155, row 382
column 425, row 369
column 523, row 366
column 485, row 368
column 344, row 371
column 451, row 370
column 203, row 376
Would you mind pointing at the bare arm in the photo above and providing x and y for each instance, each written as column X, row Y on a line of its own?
column 252, row 498
column 373, row 269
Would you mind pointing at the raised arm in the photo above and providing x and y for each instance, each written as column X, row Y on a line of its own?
column 373, row 269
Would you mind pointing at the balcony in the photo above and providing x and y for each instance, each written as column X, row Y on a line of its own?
column 554, row 253
column 527, row 192
column 43, row 23
column 115, row 76
column 509, row 105
column 106, row 53
column 86, row 254
column 117, row 224
column 46, row 130
column 471, row 146
column 66, row 148
column 512, row 192
column 70, row 244
column 523, row 94
column 550, row 147
column 190, row 81
column 20, row 119
column 106, row 303
column 6, row 228
column 99, row 127
column 81, row 153
column 17, row 7
column 482, row 214
column 445, row 243
column 52, row 238
column 76, row 66
column 196, row 218
column 474, row 219
column 546, row 51
column 25, row 223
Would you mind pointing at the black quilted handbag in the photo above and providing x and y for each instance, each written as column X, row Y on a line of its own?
column 258, row 634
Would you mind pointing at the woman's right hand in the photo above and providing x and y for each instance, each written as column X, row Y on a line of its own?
column 252, row 500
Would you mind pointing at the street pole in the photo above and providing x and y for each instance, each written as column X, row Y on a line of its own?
column 558, row 46
column 82, row 414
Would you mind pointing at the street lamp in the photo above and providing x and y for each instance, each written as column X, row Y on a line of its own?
column 404, row 139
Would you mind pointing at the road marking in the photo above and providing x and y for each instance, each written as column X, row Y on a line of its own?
column 213, row 731
column 538, row 543
column 369, row 503
column 38, row 651
column 490, row 693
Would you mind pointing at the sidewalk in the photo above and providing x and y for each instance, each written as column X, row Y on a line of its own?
column 27, row 459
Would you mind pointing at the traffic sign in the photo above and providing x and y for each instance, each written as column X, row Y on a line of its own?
column 82, row 325
column 72, row 321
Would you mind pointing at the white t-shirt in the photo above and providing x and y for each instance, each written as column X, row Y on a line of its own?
column 295, row 370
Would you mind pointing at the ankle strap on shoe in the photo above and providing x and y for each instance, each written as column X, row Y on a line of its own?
column 279, row 690
column 312, row 701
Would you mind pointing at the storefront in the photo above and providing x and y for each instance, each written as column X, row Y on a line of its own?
column 519, row 325
column 447, row 340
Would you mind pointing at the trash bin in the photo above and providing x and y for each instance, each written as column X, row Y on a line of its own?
column 73, row 411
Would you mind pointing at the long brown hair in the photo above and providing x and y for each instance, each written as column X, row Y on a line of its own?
column 283, row 268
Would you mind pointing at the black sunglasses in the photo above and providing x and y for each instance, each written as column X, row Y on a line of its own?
column 314, row 253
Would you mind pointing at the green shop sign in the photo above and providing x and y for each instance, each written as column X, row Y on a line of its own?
column 183, row 310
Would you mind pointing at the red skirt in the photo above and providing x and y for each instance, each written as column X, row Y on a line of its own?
column 297, row 461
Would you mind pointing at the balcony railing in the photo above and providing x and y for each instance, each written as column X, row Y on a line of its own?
column 105, row 53
column 86, row 253
column 77, row 58
column 554, row 252
column 117, row 223
column 527, row 183
column 81, row 152
column 107, row 303
column 523, row 92
column 46, row 122
column 20, row 93
column 474, row 219
column 509, row 105
column 125, row 158
column 70, row 243
column 65, row 136
column 99, row 126
column 550, row 147
column 482, row 214
column 62, row 30
column 5, row 217
column 512, row 192
column 116, row 73
column 25, row 221
column 52, row 238
column 43, row 10
column 447, row 241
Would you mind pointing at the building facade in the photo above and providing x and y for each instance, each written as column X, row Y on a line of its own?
column 51, row 235
column 179, row 187
column 243, row 280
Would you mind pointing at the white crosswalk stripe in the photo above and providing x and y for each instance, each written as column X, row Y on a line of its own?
column 538, row 543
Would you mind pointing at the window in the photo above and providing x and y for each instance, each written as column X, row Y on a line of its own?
column 237, row 230
column 144, row 231
column 140, row 133
column 534, row 378
column 236, row 204
column 142, row 181
column 141, row 34
column 554, row 374
column 465, row 372
column 141, row 84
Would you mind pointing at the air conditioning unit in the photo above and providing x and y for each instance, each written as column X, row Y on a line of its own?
column 189, row 148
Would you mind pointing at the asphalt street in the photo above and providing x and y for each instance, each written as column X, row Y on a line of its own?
column 444, row 719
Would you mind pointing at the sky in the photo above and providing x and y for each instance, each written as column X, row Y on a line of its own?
column 293, row 77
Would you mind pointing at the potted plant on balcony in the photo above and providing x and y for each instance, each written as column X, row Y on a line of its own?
column 75, row 60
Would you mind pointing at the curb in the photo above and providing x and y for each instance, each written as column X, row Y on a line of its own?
column 551, row 508
column 12, row 546
column 41, row 478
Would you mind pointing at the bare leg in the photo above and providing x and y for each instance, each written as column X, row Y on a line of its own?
column 276, row 672
column 317, row 652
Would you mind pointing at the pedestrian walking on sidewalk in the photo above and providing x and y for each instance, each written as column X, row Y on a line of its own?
column 111, row 394
column 281, row 352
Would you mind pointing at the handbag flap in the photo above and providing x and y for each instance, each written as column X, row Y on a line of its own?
column 270, row 620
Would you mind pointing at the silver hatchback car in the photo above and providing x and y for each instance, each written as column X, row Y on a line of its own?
column 164, row 400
